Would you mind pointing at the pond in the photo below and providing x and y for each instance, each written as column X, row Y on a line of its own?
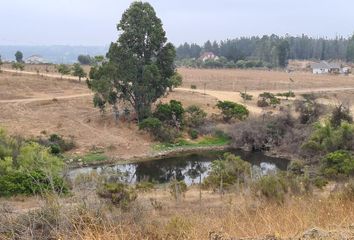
column 181, row 167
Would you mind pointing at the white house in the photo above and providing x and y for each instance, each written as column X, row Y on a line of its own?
column 324, row 67
column 208, row 56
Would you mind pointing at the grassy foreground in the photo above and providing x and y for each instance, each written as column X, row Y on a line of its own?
column 155, row 215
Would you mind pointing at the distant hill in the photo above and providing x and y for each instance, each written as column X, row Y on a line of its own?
column 52, row 54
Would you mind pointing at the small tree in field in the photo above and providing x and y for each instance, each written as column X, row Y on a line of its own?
column 175, row 81
column 78, row 71
column 19, row 57
column 18, row 66
column 232, row 110
column 63, row 70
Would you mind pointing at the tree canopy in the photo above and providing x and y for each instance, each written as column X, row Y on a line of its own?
column 139, row 64
column 19, row 57
column 78, row 71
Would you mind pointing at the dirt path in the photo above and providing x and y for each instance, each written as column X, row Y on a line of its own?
column 40, row 74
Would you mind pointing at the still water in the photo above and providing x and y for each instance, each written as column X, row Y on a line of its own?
column 181, row 167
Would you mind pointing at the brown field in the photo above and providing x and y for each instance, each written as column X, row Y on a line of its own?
column 260, row 80
column 42, row 104
column 29, row 108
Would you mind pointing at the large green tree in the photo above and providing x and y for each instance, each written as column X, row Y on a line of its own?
column 139, row 65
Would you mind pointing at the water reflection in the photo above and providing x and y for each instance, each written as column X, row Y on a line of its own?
column 191, row 168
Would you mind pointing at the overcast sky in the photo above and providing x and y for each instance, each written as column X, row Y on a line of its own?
column 93, row 22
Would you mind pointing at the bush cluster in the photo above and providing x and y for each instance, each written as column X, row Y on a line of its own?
column 267, row 99
column 231, row 110
column 28, row 168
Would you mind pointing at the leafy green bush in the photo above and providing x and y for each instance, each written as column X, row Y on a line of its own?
column 338, row 163
column 326, row 138
column 151, row 124
column 232, row 110
column 119, row 194
column 171, row 113
column 29, row 183
column 193, row 133
column 27, row 167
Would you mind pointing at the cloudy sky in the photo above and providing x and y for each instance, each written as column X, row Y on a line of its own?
column 93, row 22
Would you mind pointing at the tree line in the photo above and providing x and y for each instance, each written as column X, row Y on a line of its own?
column 272, row 50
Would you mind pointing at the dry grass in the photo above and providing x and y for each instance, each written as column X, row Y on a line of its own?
column 75, row 117
column 234, row 216
column 239, row 80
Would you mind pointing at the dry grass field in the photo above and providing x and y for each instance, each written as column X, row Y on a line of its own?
column 235, row 216
column 260, row 80
column 31, row 105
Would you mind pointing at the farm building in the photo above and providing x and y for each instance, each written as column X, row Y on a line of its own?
column 326, row 67
column 208, row 56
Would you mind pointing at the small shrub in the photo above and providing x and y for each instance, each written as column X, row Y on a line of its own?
column 340, row 113
column 178, row 188
column 296, row 167
column 245, row 96
column 193, row 87
column 150, row 124
column 272, row 187
column 262, row 103
column 178, row 228
column 232, row 110
column 119, row 194
column 194, row 116
column 193, row 133
column 144, row 186
column 320, row 182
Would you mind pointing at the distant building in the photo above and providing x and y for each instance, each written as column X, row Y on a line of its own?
column 324, row 67
column 35, row 59
column 208, row 56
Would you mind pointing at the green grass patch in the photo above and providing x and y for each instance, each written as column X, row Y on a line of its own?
column 203, row 142
column 94, row 157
